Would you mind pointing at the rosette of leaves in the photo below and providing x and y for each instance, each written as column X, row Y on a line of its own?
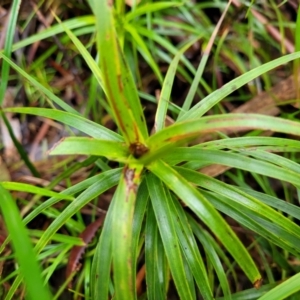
column 165, row 213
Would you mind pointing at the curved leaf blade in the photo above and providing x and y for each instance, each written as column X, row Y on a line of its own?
column 208, row 214
column 165, row 222
column 23, row 249
column 126, row 193
column 87, row 146
column 154, row 289
column 238, row 160
column 39, row 86
column 28, row 188
column 117, row 78
column 283, row 290
column 243, row 200
column 181, row 132
column 206, row 240
column 190, row 249
column 101, row 266
column 107, row 180
column 84, row 125
column 212, row 99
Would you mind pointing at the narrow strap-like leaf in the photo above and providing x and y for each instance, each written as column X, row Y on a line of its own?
column 212, row 99
column 84, row 125
column 126, row 193
column 283, row 290
column 164, row 217
column 240, row 161
column 101, row 266
column 236, row 195
column 206, row 240
column 154, row 289
column 87, row 146
column 9, row 37
column 39, row 86
column 106, row 181
column 26, row 257
column 208, row 214
column 28, row 188
column 181, row 132
column 138, row 218
column 118, row 80
column 192, row 91
column 191, row 251
column 165, row 95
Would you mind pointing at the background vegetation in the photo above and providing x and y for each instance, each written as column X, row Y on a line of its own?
column 173, row 130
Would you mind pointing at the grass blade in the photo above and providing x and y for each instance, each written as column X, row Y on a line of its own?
column 284, row 290
column 117, row 78
column 107, row 180
column 190, row 249
column 100, row 273
column 192, row 91
column 82, row 124
column 207, row 242
column 138, row 218
column 23, row 249
column 9, row 34
column 181, row 132
column 164, row 217
column 125, row 286
column 240, row 200
column 165, row 95
column 40, row 87
column 150, row 7
column 154, row 288
column 207, row 213
column 212, row 99
column 23, row 187
column 87, row 146
column 78, row 22
column 240, row 161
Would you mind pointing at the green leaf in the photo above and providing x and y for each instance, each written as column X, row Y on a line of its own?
column 164, row 218
column 26, row 257
column 208, row 214
column 125, row 286
column 279, row 204
column 84, row 125
column 250, row 294
column 85, row 54
column 143, row 49
column 286, row 230
column 272, row 232
column 212, row 99
column 39, row 86
column 204, row 58
column 87, row 146
column 77, row 188
column 207, row 242
column 118, row 81
column 283, row 290
column 9, row 32
column 78, row 22
column 137, row 225
column 101, row 267
column 237, row 160
column 155, row 289
column 150, row 7
column 191, row 250
column 253, row 142
column 181, row 132
column 164, row 99
column 23, row 187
